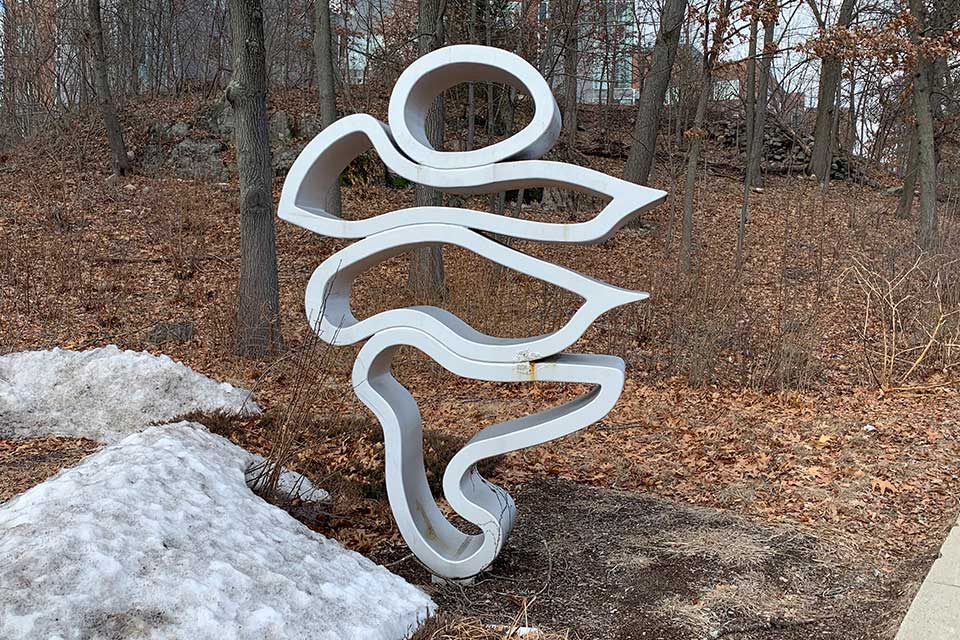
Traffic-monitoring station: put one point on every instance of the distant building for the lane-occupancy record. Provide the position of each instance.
(609, 53)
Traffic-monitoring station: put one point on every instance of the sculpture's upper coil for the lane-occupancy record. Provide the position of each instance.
(444, 68)
(502, 166)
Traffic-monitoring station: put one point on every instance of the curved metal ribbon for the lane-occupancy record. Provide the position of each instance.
(447, 339)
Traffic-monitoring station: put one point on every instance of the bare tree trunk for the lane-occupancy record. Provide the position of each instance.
(488, 37)
(763, 93)
(326, 82)
(606, 75)
(258, 317)
(852, 115)
(135, 54)
(751, 109)
(823, 138)
(118, 150)
(693, 160)
(750, 100)
(926, 155)
(472, 86)
(570, 63)
(11, 67)
(644, 148)
(710, 53)
(426, 274)
(751, 97)
(905, 206)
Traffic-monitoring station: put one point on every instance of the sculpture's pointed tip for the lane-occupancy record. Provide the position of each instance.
(655, 196)
(625, 297)
(637, 296)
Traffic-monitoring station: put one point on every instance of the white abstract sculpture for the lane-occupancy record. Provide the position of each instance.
(509, 164)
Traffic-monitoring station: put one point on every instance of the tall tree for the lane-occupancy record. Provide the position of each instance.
(258, 317)
(118, 149)
(750, 98)
(696, 134)
(11, 53)
(571, 60)
(926, 155)
(943, 17)
(905, 204)
(129, 14)
(326, 82)
(750, 103)
(426, 274)
(769, 19)
(472, 86)
(830, 68)
(654, 91)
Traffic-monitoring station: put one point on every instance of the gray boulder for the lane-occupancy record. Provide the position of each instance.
(280, 129)
(310, 125)
(169, 129)
(283, 159)
(222, 120)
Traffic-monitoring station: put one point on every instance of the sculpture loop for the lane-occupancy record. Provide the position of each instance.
(431, 75)
(451, 342)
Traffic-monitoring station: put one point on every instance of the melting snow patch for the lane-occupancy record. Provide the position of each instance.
(159, 536)
(103, 394)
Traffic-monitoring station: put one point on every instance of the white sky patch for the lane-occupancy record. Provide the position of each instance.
(103, 394)
(158, 536)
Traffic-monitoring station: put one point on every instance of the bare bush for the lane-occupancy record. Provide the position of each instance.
(693, 332)
(308, 376)
(910, 327)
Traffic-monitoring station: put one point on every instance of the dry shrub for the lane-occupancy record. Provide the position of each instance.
(321, 430)
(357, 467)
(788, 360)
(693, 322)
(501, 302)
(910, 326)
(307, 374)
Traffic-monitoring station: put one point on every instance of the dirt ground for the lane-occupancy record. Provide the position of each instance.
(26, 463)
(612, 565)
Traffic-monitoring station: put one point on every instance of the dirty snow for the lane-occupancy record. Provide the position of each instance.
(103, 394)
(158, 536)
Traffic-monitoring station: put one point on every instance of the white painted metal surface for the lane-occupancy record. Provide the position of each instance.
(464, 351)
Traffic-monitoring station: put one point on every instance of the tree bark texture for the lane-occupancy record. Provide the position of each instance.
(643, 150)
(905, 206)
(326, 82)
(258, 317)
(426, 272)
(928, 233)
(823, 135)
(118, 149)
(750, 99)
(763, 93)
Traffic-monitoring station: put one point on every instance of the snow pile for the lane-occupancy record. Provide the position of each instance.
(103, 394)
(159, 536)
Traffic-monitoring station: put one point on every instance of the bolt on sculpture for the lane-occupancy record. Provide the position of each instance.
(509, 164)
